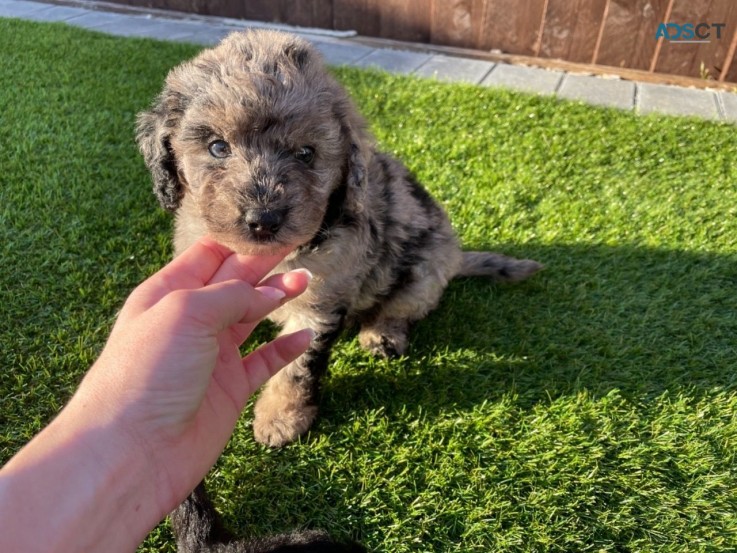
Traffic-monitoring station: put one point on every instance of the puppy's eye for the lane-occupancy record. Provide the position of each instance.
(219, 149)
(305, 154)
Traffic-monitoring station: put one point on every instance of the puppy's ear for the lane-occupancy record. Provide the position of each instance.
(357, 173)
(359, 153)
(154, 129)
(298, 53)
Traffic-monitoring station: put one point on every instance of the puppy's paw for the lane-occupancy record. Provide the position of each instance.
(383, 345)
(278, 425)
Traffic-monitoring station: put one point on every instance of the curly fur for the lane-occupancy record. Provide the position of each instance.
(381, 250)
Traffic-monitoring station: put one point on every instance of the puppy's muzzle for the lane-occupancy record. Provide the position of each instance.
(263, 224)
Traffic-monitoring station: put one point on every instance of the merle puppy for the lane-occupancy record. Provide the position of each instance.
(254, 143)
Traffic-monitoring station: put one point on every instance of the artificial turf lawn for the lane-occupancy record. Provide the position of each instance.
(589, 409)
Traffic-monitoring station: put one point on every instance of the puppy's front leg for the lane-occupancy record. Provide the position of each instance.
(288, 403)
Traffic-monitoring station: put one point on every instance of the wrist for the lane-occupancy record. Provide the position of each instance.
(84, 471)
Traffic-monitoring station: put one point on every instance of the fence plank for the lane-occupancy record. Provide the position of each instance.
(316, 13)
(511, 26)
(456, 22)
(402, 20)
(687, 59)
(221, 8)
(729, 71)
(312, 13)
(628, 37)
(358, 15)
(262, 10)
(202, 7)
(139, 3)
(570, 29)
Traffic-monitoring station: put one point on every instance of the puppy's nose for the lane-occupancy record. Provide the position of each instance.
(263, 223)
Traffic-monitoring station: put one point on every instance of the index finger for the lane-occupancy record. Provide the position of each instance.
(249, 268)
(198, 266)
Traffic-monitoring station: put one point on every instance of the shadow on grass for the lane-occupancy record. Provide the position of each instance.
(647, 323)
(599, 318)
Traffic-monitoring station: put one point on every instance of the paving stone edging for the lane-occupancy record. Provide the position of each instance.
(717, 105)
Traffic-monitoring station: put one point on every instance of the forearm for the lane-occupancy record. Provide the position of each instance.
(154, 412)
(77, 486)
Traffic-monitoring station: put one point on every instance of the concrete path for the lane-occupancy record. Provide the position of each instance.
(341, 50)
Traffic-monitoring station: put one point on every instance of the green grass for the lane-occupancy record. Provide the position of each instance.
(589, 409)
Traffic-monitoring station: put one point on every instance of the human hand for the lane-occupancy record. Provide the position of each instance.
(154, 412)
(171, 377)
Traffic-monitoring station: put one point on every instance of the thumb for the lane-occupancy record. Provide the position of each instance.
(267, 360)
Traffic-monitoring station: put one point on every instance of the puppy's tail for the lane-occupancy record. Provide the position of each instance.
(198, 529)
(498, 267)
(197, 525)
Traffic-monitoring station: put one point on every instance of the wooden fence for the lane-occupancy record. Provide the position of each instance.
(618, 33)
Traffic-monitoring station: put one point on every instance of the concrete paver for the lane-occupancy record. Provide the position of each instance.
(208, 35)
(55, 13)
(524, 79)
(136, 26)
(342, 54)
(729, 103)
(94, 19)
(449, 68)
(394, 61)
(20, 8)
(598, 91)
(674, 100)
(150, 28)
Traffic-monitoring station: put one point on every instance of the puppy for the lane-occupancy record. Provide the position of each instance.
(254, 143)
(198, 529)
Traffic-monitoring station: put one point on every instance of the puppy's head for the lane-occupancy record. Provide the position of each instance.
(258, 138)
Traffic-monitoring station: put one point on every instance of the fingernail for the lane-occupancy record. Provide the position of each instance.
(304, 271)
(272, 293)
